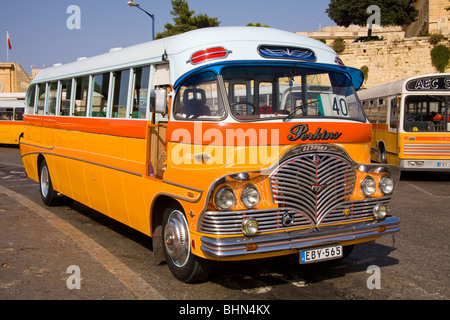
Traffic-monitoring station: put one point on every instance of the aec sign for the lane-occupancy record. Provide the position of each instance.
(429, 83)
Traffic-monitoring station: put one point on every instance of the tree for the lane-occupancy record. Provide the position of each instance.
(393, 12)
(258, 24)
(440, 57)
(185, 20)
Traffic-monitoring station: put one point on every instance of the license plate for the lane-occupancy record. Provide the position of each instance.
(321, 254)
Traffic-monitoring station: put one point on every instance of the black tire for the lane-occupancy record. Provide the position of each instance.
(48, 194)
(184, 266)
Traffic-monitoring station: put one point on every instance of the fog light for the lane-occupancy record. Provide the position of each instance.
(368, 186)
(250, 227)
(379, 211)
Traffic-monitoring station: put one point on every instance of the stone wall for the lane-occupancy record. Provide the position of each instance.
(390, 60)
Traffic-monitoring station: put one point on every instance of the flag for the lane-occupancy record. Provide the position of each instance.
(9, 41)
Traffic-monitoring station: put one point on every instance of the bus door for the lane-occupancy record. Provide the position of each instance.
(394, 111)
(157, 129)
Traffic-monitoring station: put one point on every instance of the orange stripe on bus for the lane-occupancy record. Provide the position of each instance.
(276, 133)
(130, 128)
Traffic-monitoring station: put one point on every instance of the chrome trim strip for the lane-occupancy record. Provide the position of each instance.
(296, 240)
(182, 186)
(36, 146)
(85, 161)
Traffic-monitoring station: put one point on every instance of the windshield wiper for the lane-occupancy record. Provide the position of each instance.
(293, 112)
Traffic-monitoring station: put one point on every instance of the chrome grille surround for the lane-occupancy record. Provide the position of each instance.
(230, 222)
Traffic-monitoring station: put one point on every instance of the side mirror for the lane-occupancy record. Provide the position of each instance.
(158, 100)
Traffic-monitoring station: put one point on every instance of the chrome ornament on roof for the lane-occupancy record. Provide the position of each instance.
(287, 53)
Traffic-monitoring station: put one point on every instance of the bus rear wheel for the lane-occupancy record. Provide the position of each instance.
(48, 194)
(185, 266)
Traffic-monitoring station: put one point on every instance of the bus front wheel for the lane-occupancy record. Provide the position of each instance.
(185, 266)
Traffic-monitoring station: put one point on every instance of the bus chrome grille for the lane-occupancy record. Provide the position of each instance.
(313, 185)
(310, 190)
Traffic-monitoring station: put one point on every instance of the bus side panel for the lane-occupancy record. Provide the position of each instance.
(381, 135)
(10, 131)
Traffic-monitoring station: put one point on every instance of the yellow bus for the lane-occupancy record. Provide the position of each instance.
(411, 122)
(12, 107)
(221, 144)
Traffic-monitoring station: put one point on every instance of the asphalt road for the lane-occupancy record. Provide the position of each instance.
(72, 252)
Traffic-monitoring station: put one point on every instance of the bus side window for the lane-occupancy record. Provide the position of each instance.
(99, 98)
(81, 94)
(66, 92)
(120, 95)
(53, 88)
(18, 114)
(382, 111)
(30, 99)
(140, 92)
(6, 113)
(393, 114)
(41, 98)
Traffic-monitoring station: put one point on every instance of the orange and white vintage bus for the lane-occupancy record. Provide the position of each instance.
(221, 144)
(411, 122)
(12, 107)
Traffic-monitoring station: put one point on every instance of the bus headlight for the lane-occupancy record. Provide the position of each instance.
(386, 185)
(368, 186)
(225, 198)
(250, 196)
(380, 211)
(250, 227)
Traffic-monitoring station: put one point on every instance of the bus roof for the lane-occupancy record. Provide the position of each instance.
(241, 43)
(395, 87)
(12, 96)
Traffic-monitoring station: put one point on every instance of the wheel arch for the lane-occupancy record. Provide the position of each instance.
(160, 203)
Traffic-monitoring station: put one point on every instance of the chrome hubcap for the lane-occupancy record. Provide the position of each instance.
(176, 238)
(44, 181)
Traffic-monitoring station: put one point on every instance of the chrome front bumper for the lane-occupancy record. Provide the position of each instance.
(299, 239)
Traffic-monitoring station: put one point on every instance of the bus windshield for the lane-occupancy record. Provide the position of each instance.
(266, 92)
(257, 93)
(427, 113)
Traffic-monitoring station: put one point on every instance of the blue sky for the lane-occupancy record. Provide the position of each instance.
(40, 37)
